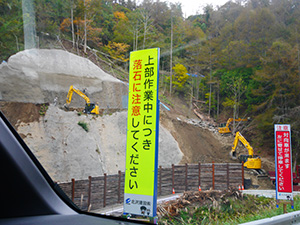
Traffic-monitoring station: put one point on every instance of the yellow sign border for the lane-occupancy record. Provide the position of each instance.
(141, 147)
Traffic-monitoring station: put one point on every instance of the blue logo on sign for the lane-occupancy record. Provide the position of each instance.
(128, 201)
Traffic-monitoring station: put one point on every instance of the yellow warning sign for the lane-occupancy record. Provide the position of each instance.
(142, 127)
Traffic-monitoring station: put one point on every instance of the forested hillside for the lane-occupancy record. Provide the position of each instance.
(238, 60)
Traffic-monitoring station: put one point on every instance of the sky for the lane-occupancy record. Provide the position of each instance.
(190, 7)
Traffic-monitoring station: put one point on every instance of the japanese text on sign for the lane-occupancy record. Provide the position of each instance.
(142, 116)
(283, 159)
(142, 124)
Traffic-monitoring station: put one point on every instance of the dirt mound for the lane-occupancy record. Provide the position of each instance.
(17, 112)
(196, 143)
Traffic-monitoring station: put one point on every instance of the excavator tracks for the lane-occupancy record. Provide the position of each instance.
(259, 173)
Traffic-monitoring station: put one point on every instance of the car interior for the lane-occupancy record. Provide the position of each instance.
(29, 195)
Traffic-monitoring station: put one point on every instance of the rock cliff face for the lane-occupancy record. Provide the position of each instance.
(67, 151)
(63, 147)
(39, 76)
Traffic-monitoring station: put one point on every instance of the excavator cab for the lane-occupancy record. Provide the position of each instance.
(251, 162)
(222, 125)
(224, 129)
(91, 108)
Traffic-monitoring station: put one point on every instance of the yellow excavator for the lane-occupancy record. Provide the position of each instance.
(251, 161)
(224, 127)
(90, 108)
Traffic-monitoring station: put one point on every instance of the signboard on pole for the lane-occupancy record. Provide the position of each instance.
(140, 187)
(283, 162)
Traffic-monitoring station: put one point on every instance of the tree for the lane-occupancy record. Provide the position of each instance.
(84, 31)
(278, 88)
(117, 51)
(100, 13)
(11, 28)
(146, 19)
(127, 28)
(279, 78)
(180, 78)
(234, 84)
(121, 29)
(72, 22)
(235, 55)
(50, 14)
(86, 27)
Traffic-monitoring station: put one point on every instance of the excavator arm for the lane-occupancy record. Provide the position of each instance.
(89, 107)
(225, 130)
(240, 137)
(77, 91)
(234, 145)
(250, 161)
(229, 121)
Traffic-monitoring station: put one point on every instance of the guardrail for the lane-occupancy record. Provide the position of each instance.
(288, 218)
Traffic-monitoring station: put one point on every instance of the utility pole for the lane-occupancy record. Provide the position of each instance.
(298, 54)
(171, 54)
(72, 23)
(29, 24)
(209, 78)
(218, 106)
(85, 35)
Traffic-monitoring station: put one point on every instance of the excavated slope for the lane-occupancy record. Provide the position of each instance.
(63, 147)
(67, 151)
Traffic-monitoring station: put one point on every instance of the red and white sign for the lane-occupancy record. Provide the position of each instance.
(283, 160)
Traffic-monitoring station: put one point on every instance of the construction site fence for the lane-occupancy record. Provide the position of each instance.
(98, 192)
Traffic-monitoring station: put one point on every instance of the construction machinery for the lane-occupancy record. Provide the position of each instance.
(250, 160)
(90, 108)
(224, 127)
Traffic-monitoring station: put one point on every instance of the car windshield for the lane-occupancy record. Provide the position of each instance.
(93, 87)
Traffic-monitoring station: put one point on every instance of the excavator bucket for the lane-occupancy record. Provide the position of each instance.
(66, 106)
(233, 154)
